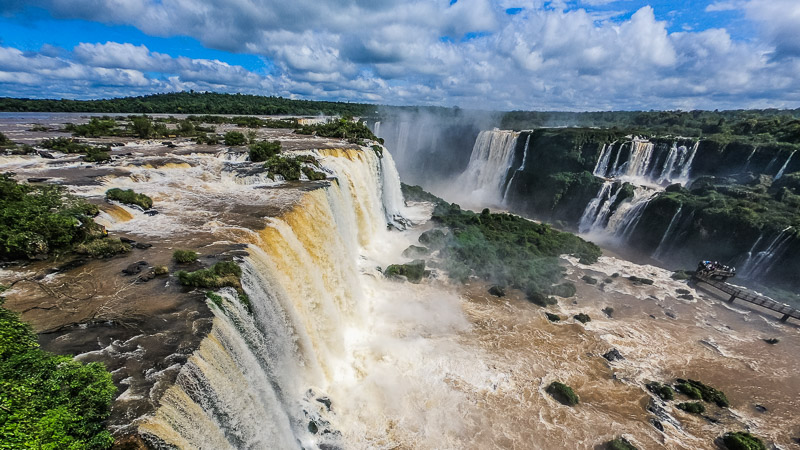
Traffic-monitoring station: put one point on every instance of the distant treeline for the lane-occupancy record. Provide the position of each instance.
(770, 125)
(191, 103)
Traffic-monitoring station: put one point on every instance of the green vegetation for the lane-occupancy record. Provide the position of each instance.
(619, 443)
(214, 297)
(742, 440)
(589, 280)
(562, 393)
(38, 220)
(184, 256)
(235, 138)
(97, 156)
(105, 247)
(221, 274)
(69, 145)
(582, 318)
(681, 275)
(290, 167)
(689, 390)
(417, 194)
(505, 249)
(663, 391)
(129, 197)
(415, 251)
(553, 317)
(638, 280)
(413, 271)
(343, 128)
(378, 150)
(245, 121)
(97, 127)
(190, 103)
(709, 394)
(692, 407)
(160, 270)
(49, 401)
(263, 150)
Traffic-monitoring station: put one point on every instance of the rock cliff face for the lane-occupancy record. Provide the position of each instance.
(677, 199)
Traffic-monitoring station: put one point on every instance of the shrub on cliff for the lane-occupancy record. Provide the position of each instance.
(129, 197)
(344, 128)
(582, 318)
(562, 393)
(707, 393)
(67, 145)
(49, 401)
(417, 194)
(263, 150)
(39, 220)
(104, 247)
(741, 440)
(662, 391)
(290, 167)
(221, 274)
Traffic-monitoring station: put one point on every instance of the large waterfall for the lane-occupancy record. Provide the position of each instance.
(329, 352)
(489, 166)
(640, 161)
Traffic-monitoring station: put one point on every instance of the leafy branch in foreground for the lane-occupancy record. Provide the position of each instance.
(46, 400)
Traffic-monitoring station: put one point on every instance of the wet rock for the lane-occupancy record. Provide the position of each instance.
(589, 280)
(151, 212)
(652, 316)
(45, 154)
(772, 341)
(658, 425)
(134, 268)
(37, 179)
(582, 318)
(142, 245)
(640, 281)
(497, 291)
(312, 427)
(75, 263)
(169, 144)
(609, 311)
(117, 144)
(613, 355)
(127, 240)
(670, 314)
(325, 401)
(686, 297)
(760, 408)
(553, 317)
(415, 252)
(145, 277)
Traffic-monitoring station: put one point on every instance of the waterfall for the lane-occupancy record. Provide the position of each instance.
(624, 220)
(521, 167)
(687, 167)
(747, 265)
(639, 160)
(665, 241)
(785, 165)
(597, 211)
(766, 259)
(601, 168)
(489, 164)
(377, 128)
(261, 379)
(749, 157)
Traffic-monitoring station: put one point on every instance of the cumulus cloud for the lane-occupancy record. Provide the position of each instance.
(547, 55)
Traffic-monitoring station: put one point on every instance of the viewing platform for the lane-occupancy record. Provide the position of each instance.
(751, 297)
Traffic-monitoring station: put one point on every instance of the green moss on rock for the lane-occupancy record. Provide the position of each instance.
(664, 392)
(582, 318)
(562, 393)
(413, 271)
(184, 256)
(742, 440)
(619, 443)
(692, 407)
(129, 197)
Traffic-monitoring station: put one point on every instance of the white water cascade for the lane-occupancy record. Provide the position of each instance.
(491, 159)
(643, 164)
(664, 244)
(785, 165)
(597, 211)
(520, 168)
(762, 263)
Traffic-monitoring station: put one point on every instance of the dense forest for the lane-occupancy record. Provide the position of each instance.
(190, 103)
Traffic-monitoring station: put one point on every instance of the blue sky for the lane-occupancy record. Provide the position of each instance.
(499, 54)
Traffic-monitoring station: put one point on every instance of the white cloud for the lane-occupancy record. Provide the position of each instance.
(422, 51)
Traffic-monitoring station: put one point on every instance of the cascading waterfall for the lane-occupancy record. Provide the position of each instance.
(645, 163)
(489, 164)
(765, 260)
(601, 168)
(261, 378)
(521, 166)
(624, 220)
(596, 213)
(785, 165)
(377, 128)
(665, 240)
